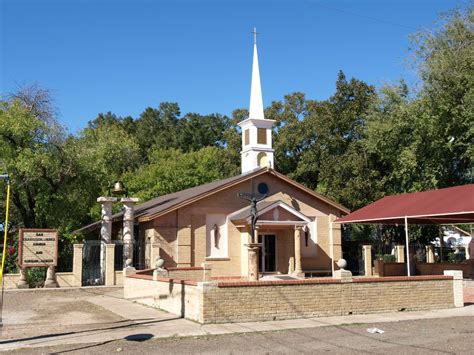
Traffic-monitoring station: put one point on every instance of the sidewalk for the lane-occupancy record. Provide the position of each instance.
(137, 319)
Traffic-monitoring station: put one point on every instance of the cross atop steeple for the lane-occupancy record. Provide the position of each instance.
(255, 35)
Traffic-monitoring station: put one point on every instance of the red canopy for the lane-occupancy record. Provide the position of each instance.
(444, 206)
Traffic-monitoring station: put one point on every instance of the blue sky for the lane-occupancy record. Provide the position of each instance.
(123, 55)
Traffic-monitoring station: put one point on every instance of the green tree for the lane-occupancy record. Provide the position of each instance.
(171, 170)
(33, 152)
(446, 100)
(158, 128)
(197, 131)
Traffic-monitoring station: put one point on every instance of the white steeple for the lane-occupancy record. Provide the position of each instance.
(257, 149)
(256, 102)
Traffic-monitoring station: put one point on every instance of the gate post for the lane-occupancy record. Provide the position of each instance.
(77, 265)
(367, 256)
(400, 253)
(429, 254)
(109, 264)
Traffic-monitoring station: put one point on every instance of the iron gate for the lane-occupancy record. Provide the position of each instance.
(138, 251)
(91, 271)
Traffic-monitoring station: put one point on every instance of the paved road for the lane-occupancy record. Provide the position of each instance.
(442, 336)
(89, 320)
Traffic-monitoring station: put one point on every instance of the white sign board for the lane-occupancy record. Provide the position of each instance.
(38, 248)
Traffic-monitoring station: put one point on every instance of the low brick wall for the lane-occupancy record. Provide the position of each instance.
(64, 279)
(467, 268)
(240, 302)
(179, 297)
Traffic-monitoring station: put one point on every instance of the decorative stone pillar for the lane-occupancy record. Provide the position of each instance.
(298, 269)
(430, 254)
(50, 281)
(367, 255)
(253, 261)
(128, 221)
(400, 253)
(22, 281)
(105, 228)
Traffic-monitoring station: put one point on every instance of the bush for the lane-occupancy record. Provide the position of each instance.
(36, 276)
(388, 258)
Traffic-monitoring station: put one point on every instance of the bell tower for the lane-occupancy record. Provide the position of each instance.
(257, 151)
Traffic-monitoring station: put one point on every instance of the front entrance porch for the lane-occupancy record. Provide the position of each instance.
(267, 262)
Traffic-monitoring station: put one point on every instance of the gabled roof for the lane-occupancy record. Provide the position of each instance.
(444, 206)
(164, 204)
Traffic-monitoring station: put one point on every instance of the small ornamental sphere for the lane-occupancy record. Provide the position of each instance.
(342, 263)
(128, 262)
(159, 262)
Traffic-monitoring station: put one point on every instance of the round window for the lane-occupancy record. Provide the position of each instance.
(262, 188)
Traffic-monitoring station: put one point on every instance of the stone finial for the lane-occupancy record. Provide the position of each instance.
(128, 269)
(342, 264)
(342, 274)
(159, 262)
(159, 270)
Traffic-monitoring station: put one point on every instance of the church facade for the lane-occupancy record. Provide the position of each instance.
(212, 223)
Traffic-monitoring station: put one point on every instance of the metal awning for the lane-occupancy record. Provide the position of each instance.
(452, 205)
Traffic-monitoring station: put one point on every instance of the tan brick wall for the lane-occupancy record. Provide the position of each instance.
(194, 275)
(259, 303)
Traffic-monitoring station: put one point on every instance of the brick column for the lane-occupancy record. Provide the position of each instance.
(457, 287)
(128, 221)
(298, 269)
(77, 265)
(253, 261)
(109, 264)
(367, 255)
(400, 253)
(430, 254)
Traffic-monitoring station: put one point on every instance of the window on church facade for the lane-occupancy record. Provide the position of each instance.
(246, 137)
(261, 136)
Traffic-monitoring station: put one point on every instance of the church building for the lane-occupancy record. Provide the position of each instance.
(212, 223)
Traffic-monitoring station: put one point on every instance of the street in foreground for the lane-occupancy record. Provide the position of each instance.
(448, 335)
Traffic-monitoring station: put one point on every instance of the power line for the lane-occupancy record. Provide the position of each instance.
(363, 16)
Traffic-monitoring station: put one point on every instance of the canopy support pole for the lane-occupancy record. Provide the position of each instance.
(407, 246)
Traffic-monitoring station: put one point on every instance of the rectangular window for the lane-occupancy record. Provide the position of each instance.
(246, 137)
(261, 136)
